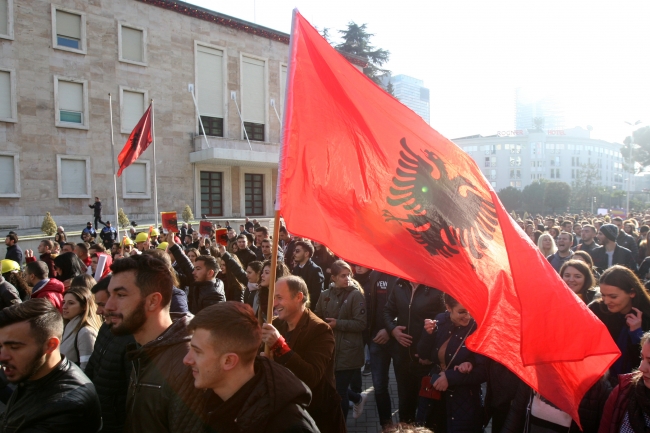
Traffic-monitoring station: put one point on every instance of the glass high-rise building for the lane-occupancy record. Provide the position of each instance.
(531, 104)
(412, 93)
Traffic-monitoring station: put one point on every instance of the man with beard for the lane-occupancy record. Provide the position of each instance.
(53, 394)
(161, 396)
(108, 367)
(245, 393)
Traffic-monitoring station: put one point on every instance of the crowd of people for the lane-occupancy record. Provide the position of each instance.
(167, 331)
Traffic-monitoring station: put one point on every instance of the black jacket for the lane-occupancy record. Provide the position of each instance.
(627, 241)
(162, 396)
(108, 235)
(63, 401)
(234, 274)
(313, 276)
(273, 401)
(15, 253)
(371, 296)
(622, 256)
(590, 409)
(97, 208)
(401, 310)
(109, 371)
(246, 256)
(201, 294)
(586, 248)
(8, 294)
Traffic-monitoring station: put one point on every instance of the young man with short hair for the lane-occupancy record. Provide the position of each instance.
(108, 367)
(304, 343)
(161, 396)
(37, 277)
(45, 255)
(308, 270)
(245, 392)
(625, 240)
(244, 254)
(563, 253)
(587, 243)
(53, 394)
(14, 252)
(81, 250)
(610, 253)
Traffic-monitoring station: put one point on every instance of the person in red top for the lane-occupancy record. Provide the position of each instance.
(36, 275)
(81, 250)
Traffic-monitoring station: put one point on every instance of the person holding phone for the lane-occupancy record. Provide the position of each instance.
(625, 311)
(456, 372)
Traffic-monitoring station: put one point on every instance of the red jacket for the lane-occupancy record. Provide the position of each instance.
(53, 291)
(616, 405)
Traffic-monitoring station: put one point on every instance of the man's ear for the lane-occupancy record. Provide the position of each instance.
(153, 301)
(52, 344)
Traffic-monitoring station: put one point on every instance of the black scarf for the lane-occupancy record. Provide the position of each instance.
(639, 405)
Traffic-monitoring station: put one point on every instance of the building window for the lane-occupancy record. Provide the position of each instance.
(210, 88)
(283, 86)
(132, 44)
(515, 173)
(68, 30)
(71, 100)
(487, 162)
(212, 193)
(254, 194)
(515, 183)
(255, 131)
(9, 175)
(132, 107)
(8, 111)
(515, 161)
(7, 19)
(253, 92)
(73, 176)
(136, 182)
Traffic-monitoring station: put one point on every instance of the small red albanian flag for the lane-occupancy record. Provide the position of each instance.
(137, 143)
(364, 175)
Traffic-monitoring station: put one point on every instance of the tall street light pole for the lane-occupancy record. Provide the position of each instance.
(629, 180)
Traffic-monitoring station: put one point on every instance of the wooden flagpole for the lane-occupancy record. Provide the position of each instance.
(274, 268)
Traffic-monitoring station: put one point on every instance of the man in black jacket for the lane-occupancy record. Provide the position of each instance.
(246, 393)
(97, 211)
(587, 243)
(625, 240)
(408, 305)
(14, 252)
(244, 254)
(201, 277)
(610, 253)
(53, 394)
(108, 367)
(308, 270)
(108, 235)
(161, 396)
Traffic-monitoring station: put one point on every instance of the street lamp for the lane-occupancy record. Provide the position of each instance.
(629, 182)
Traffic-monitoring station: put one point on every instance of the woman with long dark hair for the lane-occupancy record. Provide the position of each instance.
(577, 275)
(625, 310)
(15, 278)
(67, 266)
(324, 258)
(261, 296)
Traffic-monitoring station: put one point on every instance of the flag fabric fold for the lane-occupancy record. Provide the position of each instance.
(138, 142)
(366, 176)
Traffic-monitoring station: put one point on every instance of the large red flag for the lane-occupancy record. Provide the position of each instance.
(366, 176)
(137, 143)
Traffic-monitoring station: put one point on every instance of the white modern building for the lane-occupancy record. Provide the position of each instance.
(412, 93)
(517, 158)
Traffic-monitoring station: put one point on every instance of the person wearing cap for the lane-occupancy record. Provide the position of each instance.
(108, 235)
(610, 253)
(89, 230)
(8, 293)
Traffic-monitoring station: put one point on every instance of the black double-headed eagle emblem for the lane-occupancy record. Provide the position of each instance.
(439, 216)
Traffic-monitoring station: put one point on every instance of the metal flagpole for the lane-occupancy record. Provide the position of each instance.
(155, 177)
(117, 220)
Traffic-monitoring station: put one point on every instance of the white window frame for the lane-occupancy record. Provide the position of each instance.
(59, 178)
(266, 95)
(226, 94)
(226, 188)
(57, 115)
(281, 112)
(147, 194)
(268, 189)
(10, 22)
(12, 93)
(120, 24)
(16, 192)
(130, 89)
(55, 45)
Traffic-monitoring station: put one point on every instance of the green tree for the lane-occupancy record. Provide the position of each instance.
(533, 196)
(511, 198)
(390, 89)
(325, 33)
(356, 40)
(586, 186)
(122, 218)
(187, 214)
(640, 146)
(49, 226)
(557, 195)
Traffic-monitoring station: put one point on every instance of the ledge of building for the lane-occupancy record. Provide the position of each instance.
(224, 151)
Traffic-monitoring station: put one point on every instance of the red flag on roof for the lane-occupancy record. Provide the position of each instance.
(366, 176)
(137, 143)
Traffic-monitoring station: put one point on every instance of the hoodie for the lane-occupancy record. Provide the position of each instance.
(51, 289)
(273, 401)
(162, 396)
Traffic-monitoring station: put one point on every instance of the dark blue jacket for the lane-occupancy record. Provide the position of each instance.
(15, 253)
(463, 402)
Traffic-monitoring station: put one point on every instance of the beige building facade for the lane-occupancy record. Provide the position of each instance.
(60, 60)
